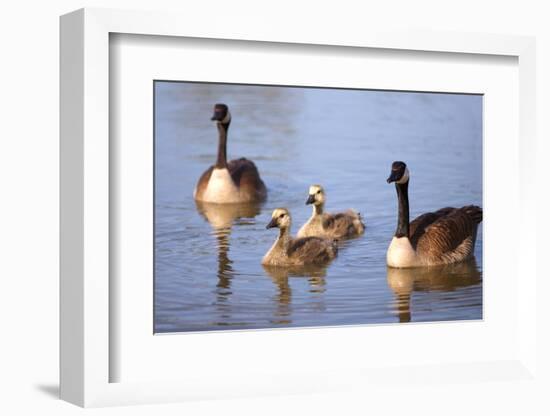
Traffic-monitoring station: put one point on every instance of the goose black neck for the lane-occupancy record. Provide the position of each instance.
(221, 162)
(403, 206)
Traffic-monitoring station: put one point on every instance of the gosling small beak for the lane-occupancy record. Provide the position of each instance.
(272, 224)
(310, 199)
(393, 176)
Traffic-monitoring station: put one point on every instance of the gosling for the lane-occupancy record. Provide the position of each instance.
(288, 251)
(342, 225)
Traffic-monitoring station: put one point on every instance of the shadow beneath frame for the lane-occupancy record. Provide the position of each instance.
(51, 390)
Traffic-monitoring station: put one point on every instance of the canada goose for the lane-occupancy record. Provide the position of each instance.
(288, 251)
(442, 237)
(321, 224)
(229, 182)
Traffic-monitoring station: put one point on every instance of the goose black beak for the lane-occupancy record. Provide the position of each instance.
(310, 199)
(217, 116)
(394, 176)
(272, 224)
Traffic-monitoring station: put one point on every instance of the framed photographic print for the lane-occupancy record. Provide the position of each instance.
(267, 214)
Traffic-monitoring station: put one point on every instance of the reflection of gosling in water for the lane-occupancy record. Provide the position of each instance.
(288, 251)
(346, 224)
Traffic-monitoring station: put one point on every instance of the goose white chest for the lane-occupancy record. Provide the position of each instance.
(221, 188)
(401, 253)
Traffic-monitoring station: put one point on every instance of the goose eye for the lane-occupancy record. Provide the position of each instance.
(318, 192)
(281, 216)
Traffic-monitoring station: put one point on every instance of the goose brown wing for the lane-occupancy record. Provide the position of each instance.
(446, 235)
(312, 249)
(418, 227)
(246, 176)
(202, 184)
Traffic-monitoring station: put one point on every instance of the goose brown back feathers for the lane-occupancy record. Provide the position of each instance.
(447, 235)
(247, 178)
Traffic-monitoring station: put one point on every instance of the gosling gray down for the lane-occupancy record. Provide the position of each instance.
(342, 225)
(288, 251)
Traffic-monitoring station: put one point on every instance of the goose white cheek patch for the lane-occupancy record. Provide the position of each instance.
(404, 178)
(226, 118)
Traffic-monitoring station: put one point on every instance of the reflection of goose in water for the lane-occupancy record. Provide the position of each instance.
(222, 218)
(403, 282)
(280, 277)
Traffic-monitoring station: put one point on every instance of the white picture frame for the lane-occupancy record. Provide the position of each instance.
(86, 355)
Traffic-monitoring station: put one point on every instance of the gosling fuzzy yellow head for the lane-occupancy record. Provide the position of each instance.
(280, 218)
(316, 195)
